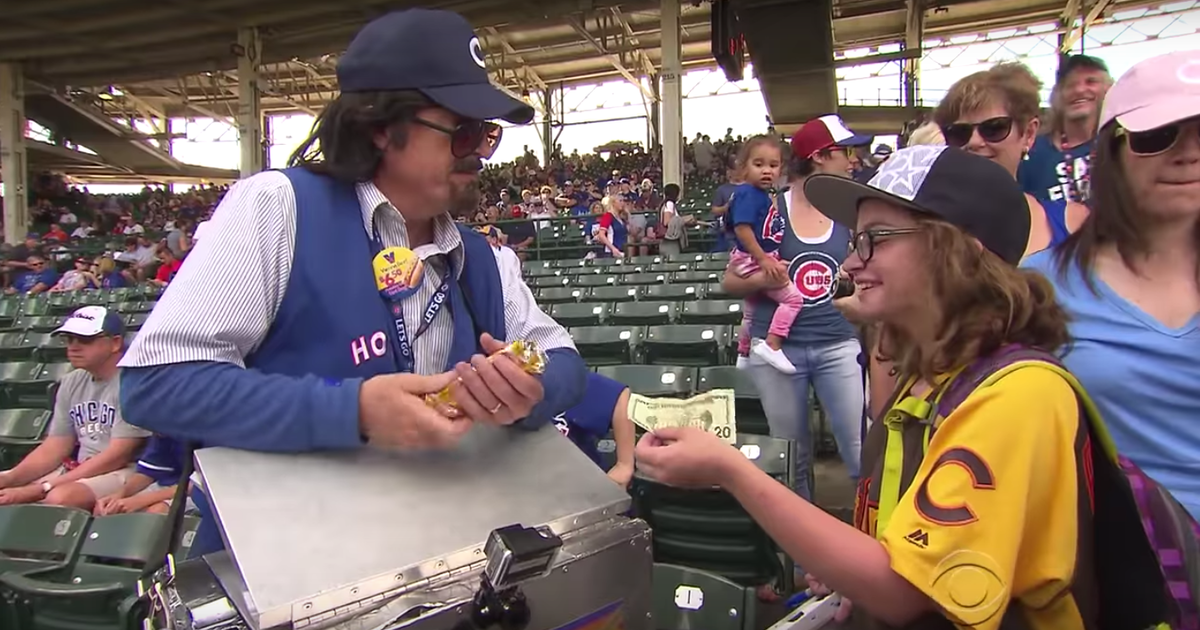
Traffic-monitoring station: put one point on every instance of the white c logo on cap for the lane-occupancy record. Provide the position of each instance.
(477, 52)
(1188, 72)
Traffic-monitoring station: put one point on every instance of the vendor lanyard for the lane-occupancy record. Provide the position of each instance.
(401, 343)
(909, 409)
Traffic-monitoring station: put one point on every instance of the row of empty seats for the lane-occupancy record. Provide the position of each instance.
(711, 312)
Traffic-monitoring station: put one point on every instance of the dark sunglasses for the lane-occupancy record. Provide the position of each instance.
(992, 130)
(863, 243)
(1152, 142)
(472, 137)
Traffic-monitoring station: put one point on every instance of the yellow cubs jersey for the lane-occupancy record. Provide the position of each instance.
(993, 520)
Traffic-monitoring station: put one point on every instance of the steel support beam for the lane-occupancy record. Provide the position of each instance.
(1072, 36)
(632, 38)
(672, 95)
(249, 115)
(914, 33)
(615, 59)
(13, 164)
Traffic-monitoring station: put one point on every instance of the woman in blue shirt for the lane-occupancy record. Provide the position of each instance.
(1128, 278)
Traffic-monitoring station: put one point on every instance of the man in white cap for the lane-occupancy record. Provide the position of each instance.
(89, 450)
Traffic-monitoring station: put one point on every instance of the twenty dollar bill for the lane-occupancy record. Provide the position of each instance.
(711, 412)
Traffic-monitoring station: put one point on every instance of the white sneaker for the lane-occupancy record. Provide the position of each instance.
(774, 358)
(742, 362)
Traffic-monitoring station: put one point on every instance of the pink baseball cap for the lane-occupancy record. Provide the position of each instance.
(1155, 92)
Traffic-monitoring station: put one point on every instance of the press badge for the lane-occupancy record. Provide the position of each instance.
(398, 272)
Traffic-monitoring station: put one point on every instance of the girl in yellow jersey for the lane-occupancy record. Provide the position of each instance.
(976, 519)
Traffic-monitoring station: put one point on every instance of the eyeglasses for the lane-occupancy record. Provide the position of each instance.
(1152, 142)
(992, 130)
(470, 137)
(83, 341)
(863, 243)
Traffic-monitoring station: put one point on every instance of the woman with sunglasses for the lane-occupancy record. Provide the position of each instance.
(955, 524)
(1129, 277)
(994, 113)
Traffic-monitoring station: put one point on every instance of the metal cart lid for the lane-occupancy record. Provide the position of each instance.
(314, 533)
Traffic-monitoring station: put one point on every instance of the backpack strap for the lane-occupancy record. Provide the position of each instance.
(984, 370)
(930, 410)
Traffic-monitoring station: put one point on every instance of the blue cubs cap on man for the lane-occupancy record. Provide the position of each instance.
(92, 321)
(433, 52)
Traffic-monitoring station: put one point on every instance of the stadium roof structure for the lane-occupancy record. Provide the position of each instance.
(179, 57)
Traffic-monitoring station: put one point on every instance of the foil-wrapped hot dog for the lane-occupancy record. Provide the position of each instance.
(528, 356)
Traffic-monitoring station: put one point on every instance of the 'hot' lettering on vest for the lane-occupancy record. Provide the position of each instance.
(364, 349)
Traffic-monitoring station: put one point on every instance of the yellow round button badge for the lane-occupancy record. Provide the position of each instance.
(398, 272)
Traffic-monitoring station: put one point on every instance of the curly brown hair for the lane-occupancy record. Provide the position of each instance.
(985, 303)
(1009, 83)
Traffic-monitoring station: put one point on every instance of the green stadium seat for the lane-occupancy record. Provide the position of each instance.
(696, 277)
(711, 312)
(710, 265)
(605, 262)
(614, 294)
(559, 295)
(53, 348)
(18, 346)
(687, 258)
(588, 280)
(669, 268)
(714, 291)
(97, 297)
(540, 272)
(685, 598)
(22, 424)
(583, 314)
(135, 321)
(643, 260)
(608, 345)
(536, 265)
(643, 313)
(35, 306)
(41, 323)
(751, 418)
(653, 380)
(643, 278)
(10, 308)
(95, 591)
(39, 536)
(700, 345)
(61, 304)
(674, 292)
(708, 530)
(123, 294)
(31, 383)
(545, 282)
(721, 256)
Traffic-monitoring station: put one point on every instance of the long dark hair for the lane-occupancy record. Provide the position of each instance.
(342, 141)
(1114, 218)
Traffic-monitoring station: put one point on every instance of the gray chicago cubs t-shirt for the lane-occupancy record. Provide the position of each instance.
(90, 411)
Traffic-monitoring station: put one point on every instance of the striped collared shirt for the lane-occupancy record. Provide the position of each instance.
(222, 302)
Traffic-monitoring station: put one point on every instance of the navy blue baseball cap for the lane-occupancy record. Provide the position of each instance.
(433, 52)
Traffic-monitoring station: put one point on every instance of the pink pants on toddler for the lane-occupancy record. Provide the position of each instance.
(787, 297)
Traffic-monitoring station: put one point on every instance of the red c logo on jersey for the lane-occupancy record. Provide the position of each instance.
(813, 273)
(960, 514)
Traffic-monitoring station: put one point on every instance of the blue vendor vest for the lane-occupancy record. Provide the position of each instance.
(332, 301)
